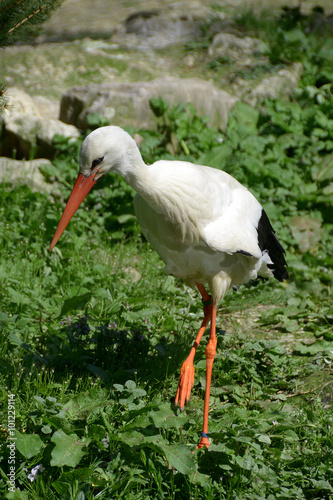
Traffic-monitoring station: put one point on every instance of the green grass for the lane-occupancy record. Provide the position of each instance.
(93, 334)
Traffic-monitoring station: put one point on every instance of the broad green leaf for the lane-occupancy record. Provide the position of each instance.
(204, 480)
(264, 438)
(321, 485)
(323, 171)
(290, 435)
(328, 190)
(158, 105)
(314, 348)
(68, 450)
(28, 444)
(15, 339)
(18, 297)
(139, 393)
(79, 475)
(102, 293)
(144, 313)
(118, 387)
(247, 462)
(180, 457)
(165, 418)
(136, 438)
(96, 431)
(46, 429)
(74, 303)
(122, 219)
(279, 397)
(247, 118)
(130, 385)
(85, 403)
(284, 455)
(326, 49)
(60, 421)
(217, 157)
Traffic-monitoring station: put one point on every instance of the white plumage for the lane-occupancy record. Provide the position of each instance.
(197, 218)
(204, 224)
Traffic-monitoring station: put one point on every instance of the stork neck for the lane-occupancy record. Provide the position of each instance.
(133, 169)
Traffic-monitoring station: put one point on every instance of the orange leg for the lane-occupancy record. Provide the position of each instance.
(186, 379)
(210, 355)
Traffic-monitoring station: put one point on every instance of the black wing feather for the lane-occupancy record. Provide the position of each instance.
(268, 241)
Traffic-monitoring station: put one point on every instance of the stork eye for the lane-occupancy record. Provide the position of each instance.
(96, 162)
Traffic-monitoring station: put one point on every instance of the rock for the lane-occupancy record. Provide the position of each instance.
(248, 54)
(25, 172)
(26, 129)
(158, 28)
(46, 108)
(128, 103)
(234, 47)
(276, 86)
(160, 21)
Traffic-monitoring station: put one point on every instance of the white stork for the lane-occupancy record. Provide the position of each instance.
(204, 224)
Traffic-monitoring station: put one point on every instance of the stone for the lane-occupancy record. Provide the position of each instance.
(159, 28)
(128, 103)
(275, 86)
(250, 54)
(234, 47)
(26, 129)
(18, 172)
(47, 108)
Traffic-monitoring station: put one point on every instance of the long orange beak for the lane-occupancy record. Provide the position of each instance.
(80, 190)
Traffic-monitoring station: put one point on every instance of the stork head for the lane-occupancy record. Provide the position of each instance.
(105, 149)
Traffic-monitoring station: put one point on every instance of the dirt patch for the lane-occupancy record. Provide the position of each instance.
(246, 323)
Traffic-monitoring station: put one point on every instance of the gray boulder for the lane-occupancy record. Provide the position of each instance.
(277, 86)
(128, 103)
(235, 47)
(18, 172)
(250, 54)
(158, 28)
(26, 130)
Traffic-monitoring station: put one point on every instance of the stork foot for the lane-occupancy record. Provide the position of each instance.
(203, 442)
(185, 384)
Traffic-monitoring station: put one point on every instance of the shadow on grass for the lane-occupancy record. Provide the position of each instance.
(111, 354)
